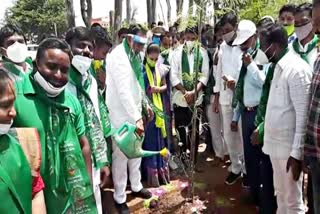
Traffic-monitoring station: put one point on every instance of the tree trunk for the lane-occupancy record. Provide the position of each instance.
(154, 10)
(128, 2)
(169, 12)
(117, 17)
(190, 11)
(149, 11)
(179, 6)
(86, 11)
(70, 13)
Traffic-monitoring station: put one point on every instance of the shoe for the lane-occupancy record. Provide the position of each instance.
(122, 208)
(245, 182)
(144, 193)
(232, 178)
(172, 164)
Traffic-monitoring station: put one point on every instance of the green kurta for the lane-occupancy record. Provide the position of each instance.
(60, 125)
(15, 177)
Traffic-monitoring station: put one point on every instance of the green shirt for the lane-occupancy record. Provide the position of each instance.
(15, 177)
(33, 112)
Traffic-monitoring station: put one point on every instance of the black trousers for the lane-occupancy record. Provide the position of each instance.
(183, 120)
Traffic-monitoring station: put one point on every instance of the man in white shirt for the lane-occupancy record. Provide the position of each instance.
(125, 98)
(228, 70)
(246, 100)
(185, 60)
(305, 45)
(285, 119)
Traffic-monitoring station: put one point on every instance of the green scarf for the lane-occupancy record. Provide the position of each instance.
(261, 112)
(136, 66)
(96, 130)
(67, 181)
(311, 46)
(187, 79)
(135, 62)
(239, 91)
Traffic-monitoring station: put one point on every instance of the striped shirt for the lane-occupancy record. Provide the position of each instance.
(312, 144)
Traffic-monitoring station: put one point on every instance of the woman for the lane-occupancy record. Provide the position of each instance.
(154, 169)
(20, 182)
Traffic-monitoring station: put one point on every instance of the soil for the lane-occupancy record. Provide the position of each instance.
(211, 195)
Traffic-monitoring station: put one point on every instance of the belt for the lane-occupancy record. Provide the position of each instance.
(249, 109)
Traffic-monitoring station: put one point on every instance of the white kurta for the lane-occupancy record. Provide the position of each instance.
(124, 99)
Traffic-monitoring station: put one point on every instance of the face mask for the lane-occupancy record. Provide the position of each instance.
(228, 36)
(271, 57)
(4, 128)
(303, 31)
(50, 89)
(289, 29)
(151, 62)
(17, 52)
(190, 45)
(81, 63)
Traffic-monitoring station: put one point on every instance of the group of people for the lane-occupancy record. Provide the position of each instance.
(256, 84)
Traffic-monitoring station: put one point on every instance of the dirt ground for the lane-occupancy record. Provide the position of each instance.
(210, 193)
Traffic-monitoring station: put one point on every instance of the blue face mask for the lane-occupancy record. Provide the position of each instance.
(156, 40)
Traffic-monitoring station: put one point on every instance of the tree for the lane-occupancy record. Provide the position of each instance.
(151, 10)
(70, 13)
(179, 4)
(38, 17)
(117, 17)
(169, 11)
(86, 11)
(128, 4)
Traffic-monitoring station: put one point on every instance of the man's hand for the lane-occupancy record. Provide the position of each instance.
(247, 59)
(255, 137)
(215, 105)
(296, 167)
(231, 84)
(105, 177)
(101, 79)
(234, 126)
(140, 127)
(189, 96)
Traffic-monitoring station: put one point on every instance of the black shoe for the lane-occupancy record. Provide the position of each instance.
(144, 193)
(122, 208)
(232, 178)
(245, 182)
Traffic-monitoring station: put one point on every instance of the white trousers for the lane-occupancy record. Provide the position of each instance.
(218, 143)
(96, 188)
(120, 166)
(233, 140)
(289, 192)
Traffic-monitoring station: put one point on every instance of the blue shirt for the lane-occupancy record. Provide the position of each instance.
(253, 83)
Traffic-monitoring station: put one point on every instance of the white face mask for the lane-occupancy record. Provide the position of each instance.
(17, 52)
(190, 45)
(50, 89)
(228, 36)
(81, 63)
(4, 128)
(303, 31)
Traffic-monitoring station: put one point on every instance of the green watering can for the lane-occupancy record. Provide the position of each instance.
(130, 143)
